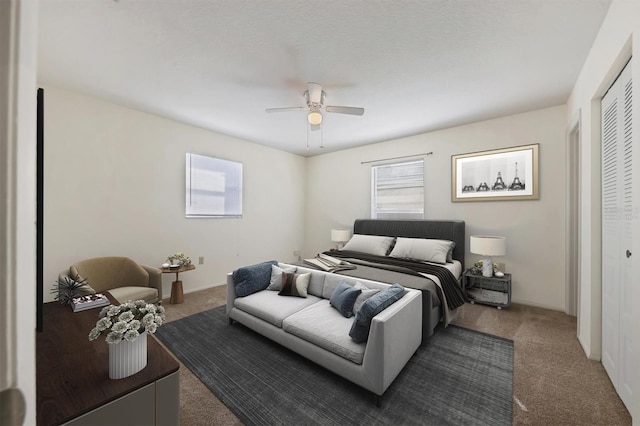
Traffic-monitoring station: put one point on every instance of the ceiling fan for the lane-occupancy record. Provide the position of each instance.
(314, 97)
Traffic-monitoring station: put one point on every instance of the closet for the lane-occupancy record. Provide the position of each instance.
(617, 231)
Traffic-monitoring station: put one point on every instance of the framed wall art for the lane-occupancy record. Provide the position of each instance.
(500, 174)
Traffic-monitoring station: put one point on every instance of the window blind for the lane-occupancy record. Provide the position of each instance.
(213, 187)
(398, 190)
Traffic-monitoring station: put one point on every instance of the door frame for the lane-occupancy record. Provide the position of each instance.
(573, 220)
(18, 50)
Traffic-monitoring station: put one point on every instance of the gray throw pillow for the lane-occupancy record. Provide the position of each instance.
(343, 298)
(295, 284)
(360, 328)
(366, 294)
(253, 278)
(275, 284)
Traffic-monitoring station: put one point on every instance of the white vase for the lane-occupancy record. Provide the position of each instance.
(127, 358)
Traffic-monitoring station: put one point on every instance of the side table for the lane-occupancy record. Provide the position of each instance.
(492, 291)
(177, 294)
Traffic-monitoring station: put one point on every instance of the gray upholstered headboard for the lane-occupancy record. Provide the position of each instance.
(452, 230)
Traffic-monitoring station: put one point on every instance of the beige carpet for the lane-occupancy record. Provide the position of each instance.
(554, 383)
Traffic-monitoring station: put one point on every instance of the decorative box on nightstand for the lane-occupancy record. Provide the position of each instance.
(493, 291)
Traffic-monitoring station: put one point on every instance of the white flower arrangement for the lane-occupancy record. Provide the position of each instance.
(127, 321)
(477, 267)
(179, 259)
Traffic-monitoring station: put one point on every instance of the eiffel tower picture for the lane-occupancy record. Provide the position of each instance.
(516, 185)
(499, 185)
(500, 174)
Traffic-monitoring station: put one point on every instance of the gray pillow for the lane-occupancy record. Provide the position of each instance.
(366, 294)
(371, 244)
(428, 250)
(253, 278)
(343, 298)
(294, 284)
(275, 284)
(360, 328)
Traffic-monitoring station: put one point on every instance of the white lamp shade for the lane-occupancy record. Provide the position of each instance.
(340, 235)
(488, 245)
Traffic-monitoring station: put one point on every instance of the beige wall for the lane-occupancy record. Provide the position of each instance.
(115, 185)
(617, 41)
(338, 191)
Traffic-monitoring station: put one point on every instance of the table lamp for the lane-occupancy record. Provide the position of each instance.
(488, 246)
(340, 236)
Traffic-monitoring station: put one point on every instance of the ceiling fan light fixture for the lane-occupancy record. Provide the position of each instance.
(314, 118)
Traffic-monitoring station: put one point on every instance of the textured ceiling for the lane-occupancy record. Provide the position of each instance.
(415, 66)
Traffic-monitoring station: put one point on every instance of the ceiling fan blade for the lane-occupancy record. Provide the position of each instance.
(315, 93)
(345, 110)
(286, 109)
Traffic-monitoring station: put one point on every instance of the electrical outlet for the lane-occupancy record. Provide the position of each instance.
(297, 253)
(201, 260)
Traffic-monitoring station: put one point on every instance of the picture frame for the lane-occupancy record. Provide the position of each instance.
(504, 174)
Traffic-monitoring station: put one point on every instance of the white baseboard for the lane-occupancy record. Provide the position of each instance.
(537, 305)
(204, 287)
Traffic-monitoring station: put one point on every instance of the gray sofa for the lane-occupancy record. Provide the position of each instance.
(317, 331)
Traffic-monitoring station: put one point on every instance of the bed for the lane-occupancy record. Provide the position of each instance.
(442, 292)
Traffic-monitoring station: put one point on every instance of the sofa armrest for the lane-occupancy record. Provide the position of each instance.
(64, 275)
(155, 279)
(395, 335)
(231, 292)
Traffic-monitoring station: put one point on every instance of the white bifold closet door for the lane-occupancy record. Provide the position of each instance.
(617, 201)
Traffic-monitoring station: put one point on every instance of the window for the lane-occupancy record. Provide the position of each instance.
(397, 190)
(214, 187)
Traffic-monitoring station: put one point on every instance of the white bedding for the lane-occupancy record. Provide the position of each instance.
(455, 267)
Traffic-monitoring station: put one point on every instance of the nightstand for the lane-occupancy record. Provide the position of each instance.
(492, 291)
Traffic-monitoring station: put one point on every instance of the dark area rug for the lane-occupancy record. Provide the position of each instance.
(460, 377)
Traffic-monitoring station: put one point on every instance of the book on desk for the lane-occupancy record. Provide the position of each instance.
(89, 301)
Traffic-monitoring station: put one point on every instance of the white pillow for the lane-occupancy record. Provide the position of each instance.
(422, 249)
(275, 284)
(370, 244)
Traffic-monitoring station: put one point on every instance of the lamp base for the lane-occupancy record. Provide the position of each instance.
(487, 267)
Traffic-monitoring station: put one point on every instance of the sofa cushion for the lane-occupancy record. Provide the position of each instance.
(364, 295)
(122, 294)
(377, 303)
(331, 282)
(343, 298)
(253, 278)
(294, 284)
(323, 326)
(270, 307)
(275, 284)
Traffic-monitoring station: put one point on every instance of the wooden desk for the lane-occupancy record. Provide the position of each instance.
(177, 293)
(72, 376)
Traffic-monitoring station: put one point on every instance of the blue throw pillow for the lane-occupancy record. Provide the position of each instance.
(373, 306)
(343, 298)
(253, 278)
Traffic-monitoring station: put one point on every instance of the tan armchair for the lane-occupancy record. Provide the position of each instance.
(120, 276)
